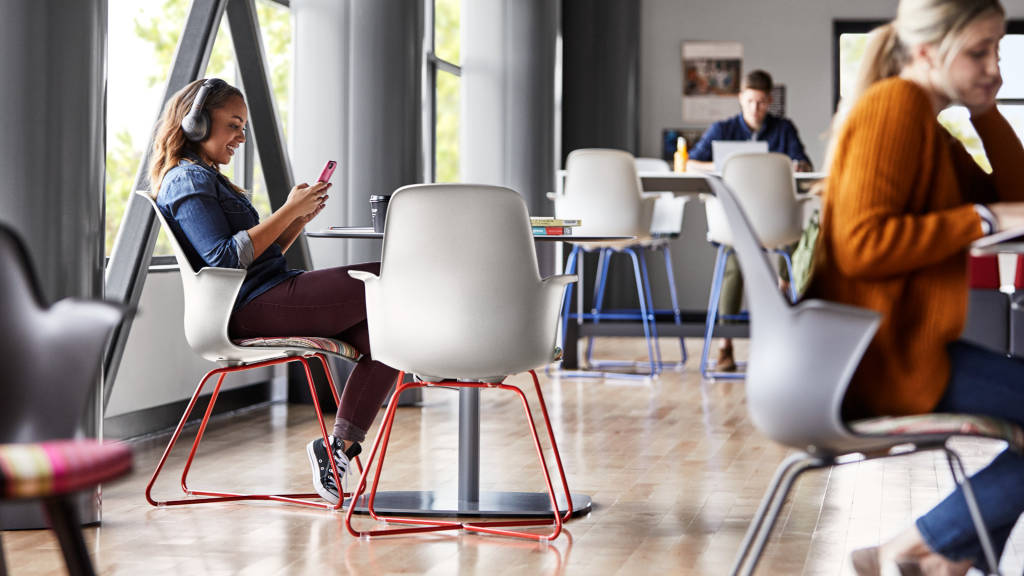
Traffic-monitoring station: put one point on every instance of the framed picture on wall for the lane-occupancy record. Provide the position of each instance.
(711, 80)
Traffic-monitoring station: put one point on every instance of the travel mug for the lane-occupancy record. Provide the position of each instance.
(379, 210)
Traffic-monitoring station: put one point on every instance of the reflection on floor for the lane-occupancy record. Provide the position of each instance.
(674, 467)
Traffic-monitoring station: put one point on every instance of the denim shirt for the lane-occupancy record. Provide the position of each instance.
(211, 222)
(779, 132)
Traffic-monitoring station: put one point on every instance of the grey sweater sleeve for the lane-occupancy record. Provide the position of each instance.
(243, 246)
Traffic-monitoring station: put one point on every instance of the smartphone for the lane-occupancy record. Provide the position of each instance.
(325, 176)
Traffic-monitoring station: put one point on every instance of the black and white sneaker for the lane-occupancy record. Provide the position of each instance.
(323, 478)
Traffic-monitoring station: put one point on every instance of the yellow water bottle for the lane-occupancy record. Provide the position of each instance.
(681, 155)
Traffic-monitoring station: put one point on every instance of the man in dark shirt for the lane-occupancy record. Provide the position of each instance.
(753, 123)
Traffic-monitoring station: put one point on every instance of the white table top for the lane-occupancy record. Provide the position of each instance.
(368, 233)
(701, 175)
(687, 183)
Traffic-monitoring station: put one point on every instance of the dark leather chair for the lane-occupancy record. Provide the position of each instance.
(52, 357)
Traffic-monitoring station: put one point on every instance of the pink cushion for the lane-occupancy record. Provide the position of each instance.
(311, 343)
(59, 467)
(938, 424)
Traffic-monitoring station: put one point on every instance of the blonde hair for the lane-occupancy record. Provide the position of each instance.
(918, 22)
(170, 145)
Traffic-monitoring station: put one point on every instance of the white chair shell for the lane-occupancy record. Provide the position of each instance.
(459, 293)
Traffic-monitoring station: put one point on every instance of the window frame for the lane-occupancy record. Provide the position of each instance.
(434, 65)
(840, 27)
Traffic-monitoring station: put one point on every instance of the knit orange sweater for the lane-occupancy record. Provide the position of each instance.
(898, 219)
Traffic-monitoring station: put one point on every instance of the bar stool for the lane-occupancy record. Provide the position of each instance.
(765, 188)
(603, 190)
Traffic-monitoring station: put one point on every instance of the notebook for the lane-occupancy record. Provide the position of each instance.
(722, 149)
(998, 238)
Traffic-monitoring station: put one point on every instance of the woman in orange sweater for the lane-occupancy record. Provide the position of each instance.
(904, 200)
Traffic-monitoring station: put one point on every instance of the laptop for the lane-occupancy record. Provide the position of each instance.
(722, 149)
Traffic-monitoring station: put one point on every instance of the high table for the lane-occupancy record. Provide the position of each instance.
(469, 501)
(690, 183)
(692, 325)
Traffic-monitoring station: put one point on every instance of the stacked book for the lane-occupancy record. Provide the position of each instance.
(545, 226)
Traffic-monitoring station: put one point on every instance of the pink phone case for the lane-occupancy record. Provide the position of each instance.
(325, 176)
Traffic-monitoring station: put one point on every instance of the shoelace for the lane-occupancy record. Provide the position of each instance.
(341, 462)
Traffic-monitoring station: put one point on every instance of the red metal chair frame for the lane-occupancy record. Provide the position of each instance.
(491, 527)
(217, 496)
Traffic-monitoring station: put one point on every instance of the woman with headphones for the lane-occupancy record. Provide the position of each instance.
(216, 225)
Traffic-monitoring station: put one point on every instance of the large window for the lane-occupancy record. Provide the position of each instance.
(444, 72)
(142, 38)
(850, 38)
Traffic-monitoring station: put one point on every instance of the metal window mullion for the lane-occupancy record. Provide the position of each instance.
(133, 247)
(266, 130)
(430, 94)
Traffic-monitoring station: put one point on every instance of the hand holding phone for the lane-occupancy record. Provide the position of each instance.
(328, 171)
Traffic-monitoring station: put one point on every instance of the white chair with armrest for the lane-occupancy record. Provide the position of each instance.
(209, 298)
(461, 305)
(802, 357)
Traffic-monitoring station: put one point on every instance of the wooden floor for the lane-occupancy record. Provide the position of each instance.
(674, 467)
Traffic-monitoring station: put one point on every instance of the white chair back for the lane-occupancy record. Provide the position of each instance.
(602, 189)
(801, 357)
(764, 185)
(210, 296)
(459, 294)
(651, 165)
(667, 217)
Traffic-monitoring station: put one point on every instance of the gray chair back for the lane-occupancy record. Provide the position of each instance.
(52, 354)
(801, 356)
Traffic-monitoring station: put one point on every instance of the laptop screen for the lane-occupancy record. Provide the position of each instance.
(722, 149)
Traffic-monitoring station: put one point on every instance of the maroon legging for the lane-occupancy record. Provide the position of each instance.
(325, 303)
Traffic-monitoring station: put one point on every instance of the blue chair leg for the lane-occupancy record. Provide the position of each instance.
(645, 314)
(570, 268)
(645, 317)
(709, 326)
(601, 281)
(651, 315)
(675, 298)
(789, 269)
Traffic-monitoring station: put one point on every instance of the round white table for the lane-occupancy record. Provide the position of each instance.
(469, 501)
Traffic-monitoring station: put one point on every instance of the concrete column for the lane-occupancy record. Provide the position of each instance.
(385, 151)
(319, 123)
(508, 99)
(52, 158)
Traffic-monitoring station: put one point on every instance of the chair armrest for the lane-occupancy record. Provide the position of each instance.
(807, 204)
(363, 275)
(561, 279)
(220, 273)
(805, 198)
